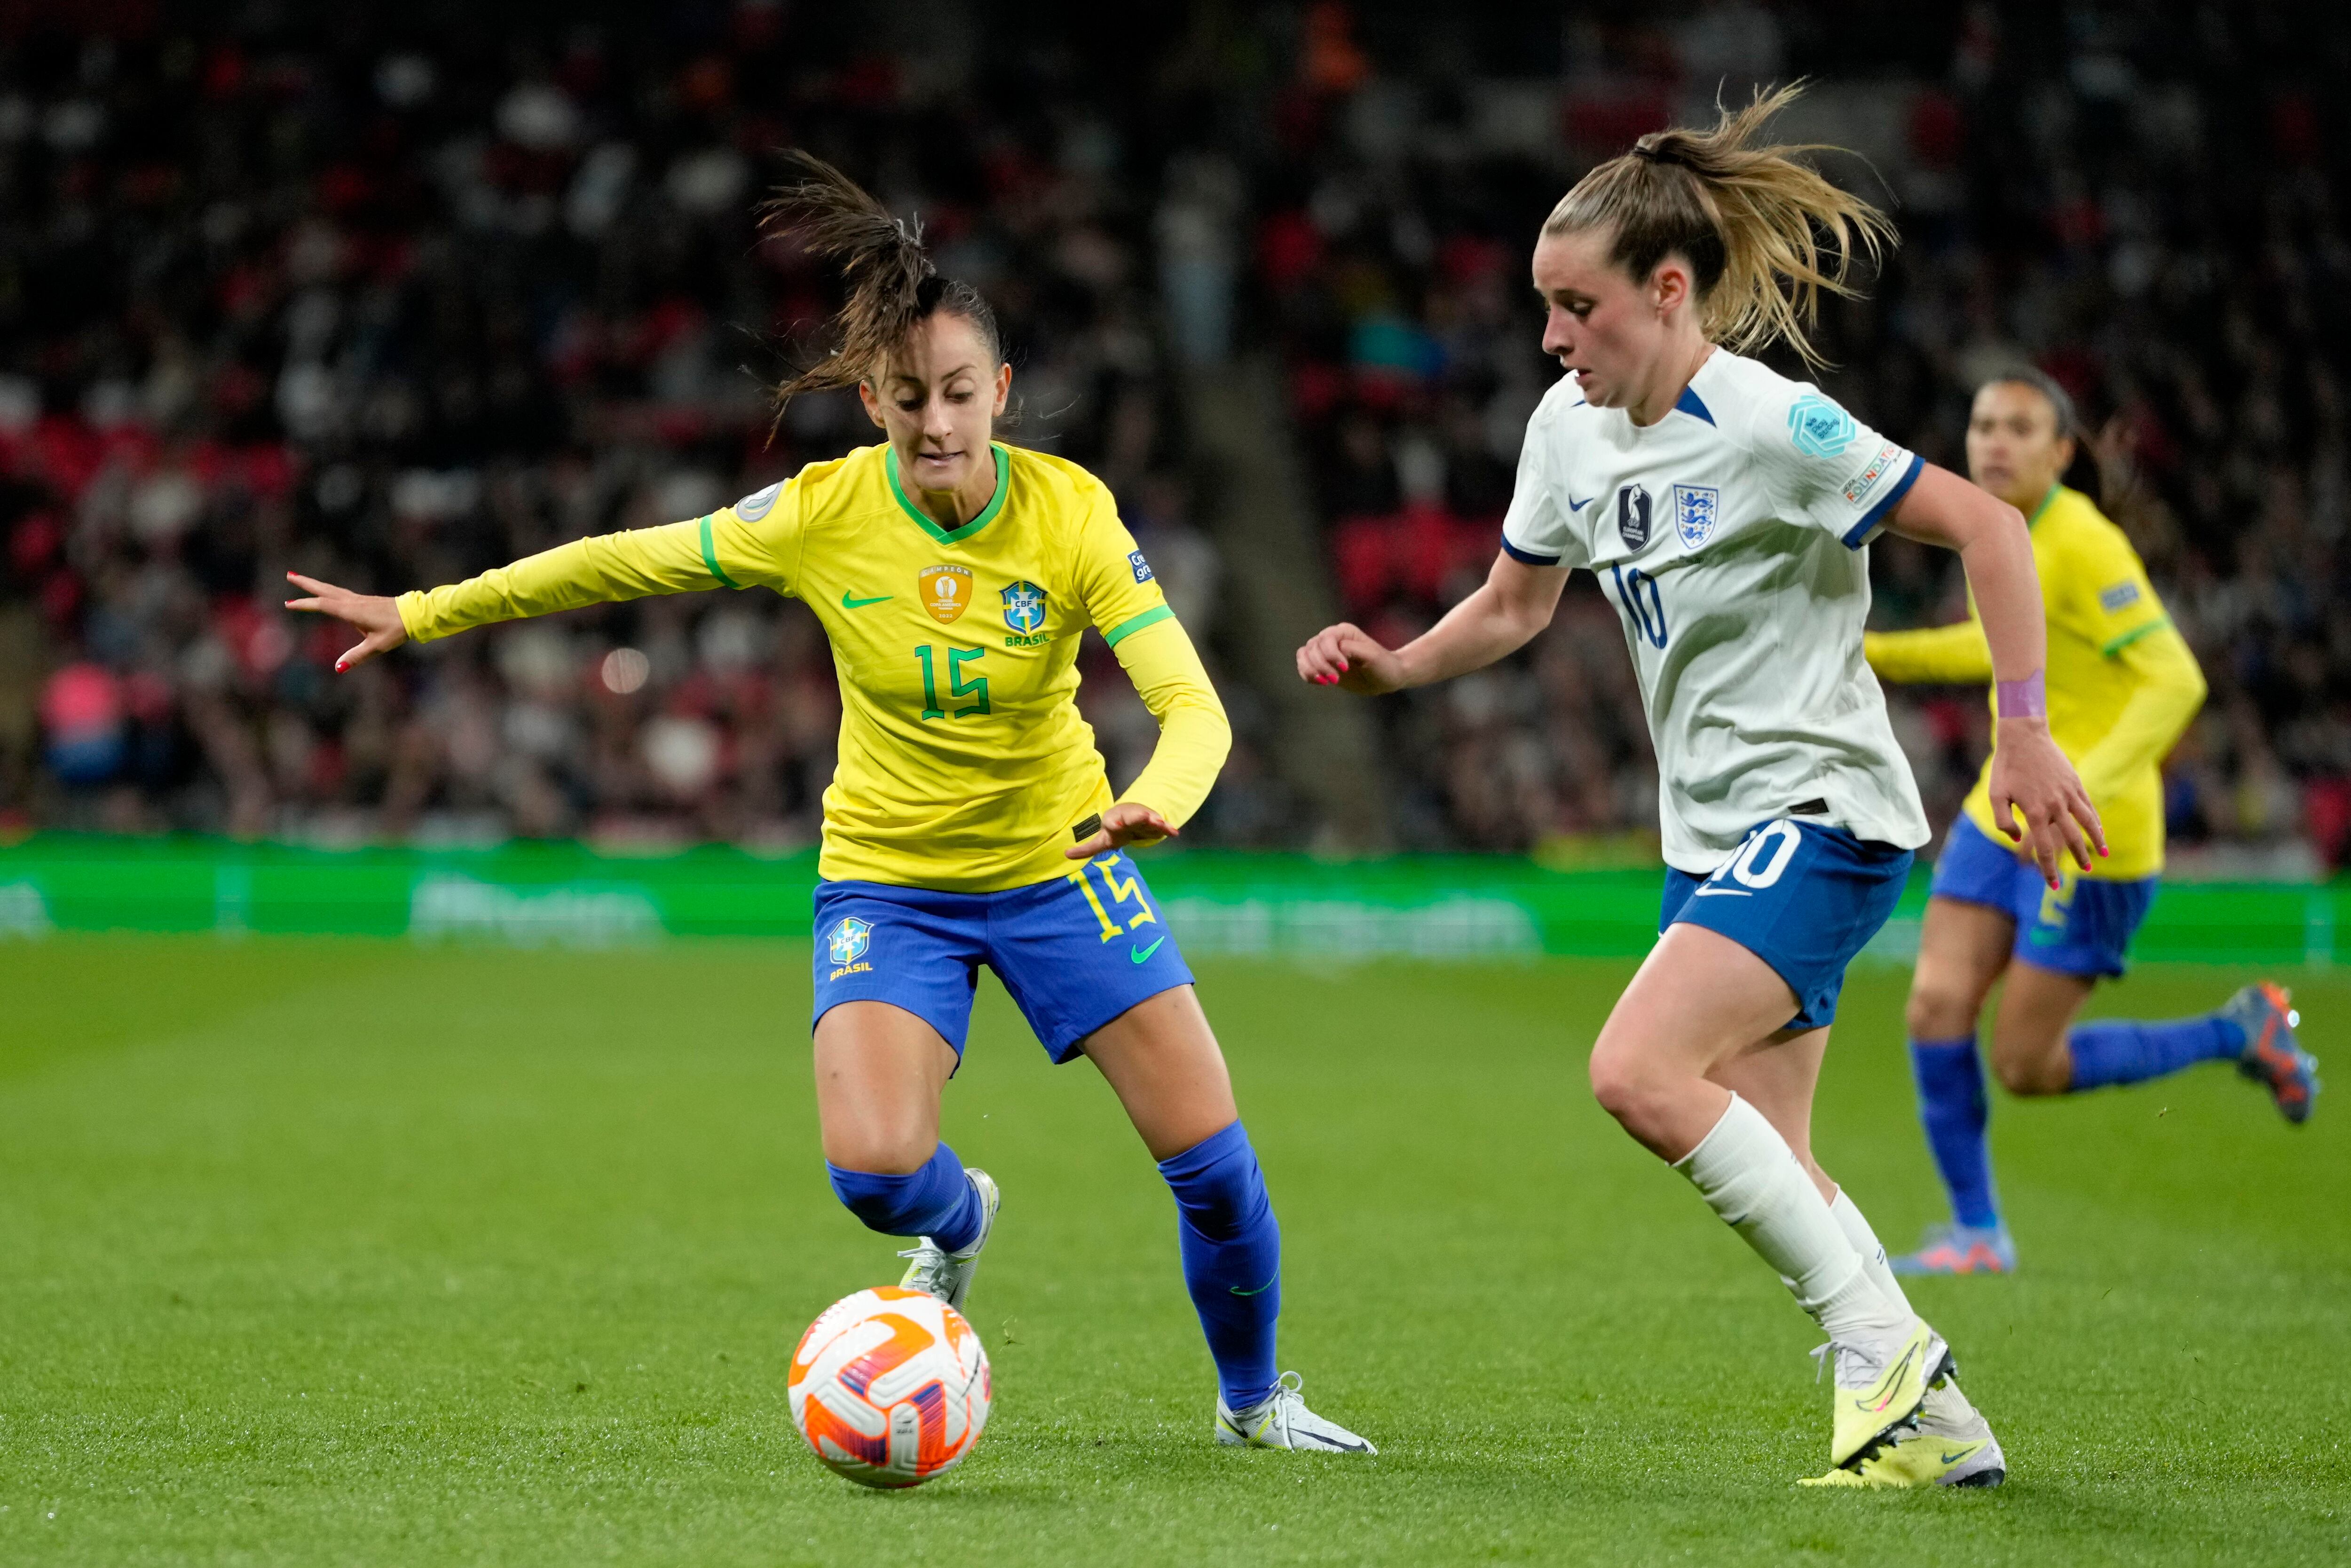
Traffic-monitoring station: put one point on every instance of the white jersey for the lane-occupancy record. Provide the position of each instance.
(1731, 534)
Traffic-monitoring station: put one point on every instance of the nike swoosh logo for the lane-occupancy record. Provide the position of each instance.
(849, 603)
(1575, 506)
(1343, 1448)
(1138, 956)
(1955, 1458)
(1723, 892)
(1890, 1385)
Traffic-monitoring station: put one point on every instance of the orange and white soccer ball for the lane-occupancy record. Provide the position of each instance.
(890, 1387)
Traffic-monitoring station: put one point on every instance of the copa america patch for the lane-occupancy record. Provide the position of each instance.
(2121, 595)
(1141, 566)
(1697, 508)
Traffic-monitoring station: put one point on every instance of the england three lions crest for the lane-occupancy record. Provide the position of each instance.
(1697, 508)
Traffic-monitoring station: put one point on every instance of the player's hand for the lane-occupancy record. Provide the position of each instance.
(2031, 779)
(1347, 657)
(1128, 822)
(377, 618)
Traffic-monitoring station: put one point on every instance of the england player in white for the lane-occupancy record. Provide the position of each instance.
(1727, 512)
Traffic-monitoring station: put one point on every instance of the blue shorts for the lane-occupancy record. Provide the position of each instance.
(1074, 952)
(2084, 928)
(1802, 896)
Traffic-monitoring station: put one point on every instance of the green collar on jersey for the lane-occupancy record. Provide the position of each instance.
(2047, 502)
(957, 535)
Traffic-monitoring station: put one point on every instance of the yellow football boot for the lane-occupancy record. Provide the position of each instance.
(1952, 1445)
(1879, 1388)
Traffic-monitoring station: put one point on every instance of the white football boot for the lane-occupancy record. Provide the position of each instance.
(1284, 1422)
(935, 1270)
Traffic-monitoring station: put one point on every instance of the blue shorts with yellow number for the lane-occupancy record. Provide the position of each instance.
(1074, 952)
(2082, 927)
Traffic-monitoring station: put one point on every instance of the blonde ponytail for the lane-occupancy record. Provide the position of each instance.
(1749, 220)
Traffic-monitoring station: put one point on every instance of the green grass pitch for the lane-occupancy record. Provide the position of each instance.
(318, 1251)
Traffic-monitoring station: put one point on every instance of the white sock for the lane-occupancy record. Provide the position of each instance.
(1750, 1178)
(1873, 1251)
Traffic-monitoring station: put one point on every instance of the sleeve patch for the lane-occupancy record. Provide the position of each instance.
(1819, 428)
(1141, 566)
(1857, 488)
(758, 502)
(2121, 596)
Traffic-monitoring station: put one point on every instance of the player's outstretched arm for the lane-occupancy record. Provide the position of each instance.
(376, 617)
(1515, 602)
(1954, 655)
(2030, 777)
(677, 558)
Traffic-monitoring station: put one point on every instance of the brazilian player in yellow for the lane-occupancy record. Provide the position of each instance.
(2122, 687)
(969, 820)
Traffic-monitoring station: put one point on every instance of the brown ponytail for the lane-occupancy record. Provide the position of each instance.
(891, 283)
(1744, 217)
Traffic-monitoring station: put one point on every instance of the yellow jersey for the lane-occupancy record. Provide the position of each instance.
(2122, 681)
(963, 764)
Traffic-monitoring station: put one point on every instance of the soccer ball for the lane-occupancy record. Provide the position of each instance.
(890, 1387)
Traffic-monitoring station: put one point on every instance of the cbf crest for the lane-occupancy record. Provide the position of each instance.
(848, 941)
(1697, 508)
(1024, 607)
(944, 590)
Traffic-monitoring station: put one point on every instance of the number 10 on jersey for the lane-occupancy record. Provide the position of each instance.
(1637, 591)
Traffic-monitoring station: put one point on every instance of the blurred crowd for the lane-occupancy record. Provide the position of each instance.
(389, 309)
(388, 304)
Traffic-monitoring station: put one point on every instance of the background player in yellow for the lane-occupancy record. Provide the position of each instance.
(969, 820)
(2122, 687)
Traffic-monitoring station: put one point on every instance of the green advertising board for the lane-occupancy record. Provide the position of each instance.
(1431, 907)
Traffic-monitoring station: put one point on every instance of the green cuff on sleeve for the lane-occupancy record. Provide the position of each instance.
(710, 554)
(2134, 634)
(1125, 628)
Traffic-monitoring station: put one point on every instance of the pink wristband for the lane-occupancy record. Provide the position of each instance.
(2027, 698)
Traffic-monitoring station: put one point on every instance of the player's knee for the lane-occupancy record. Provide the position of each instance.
(891, 1202)
(1219, 1187)
(2032, 1073)
(2030, 1068)
(881, 1148)
(1625, 1085)
(1938, 1009)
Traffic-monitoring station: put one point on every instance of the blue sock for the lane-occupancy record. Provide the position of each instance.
(934, 1201)
(1951, 1104)
(1232, 1259)
(2113, 1051)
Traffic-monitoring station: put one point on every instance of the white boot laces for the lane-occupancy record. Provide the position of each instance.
(929, 1258)
(1865, 1368)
